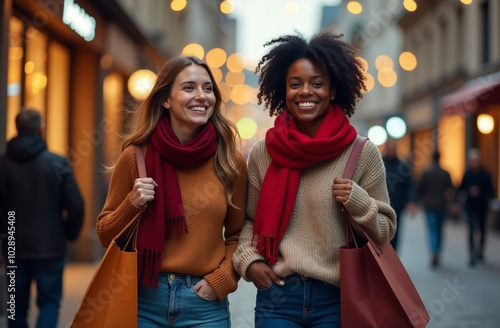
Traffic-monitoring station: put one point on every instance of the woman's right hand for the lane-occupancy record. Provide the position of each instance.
(143, 191)
(262, 275)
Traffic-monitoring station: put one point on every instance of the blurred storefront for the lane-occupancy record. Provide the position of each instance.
(452, 99)
(71, 60)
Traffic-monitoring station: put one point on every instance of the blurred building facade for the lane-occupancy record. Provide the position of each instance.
(72, 59)
(455, 82)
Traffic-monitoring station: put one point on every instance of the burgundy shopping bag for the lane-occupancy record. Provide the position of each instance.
(375, 289)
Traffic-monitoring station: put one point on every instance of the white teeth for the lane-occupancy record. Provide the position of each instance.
(307, 104)
(198, 109)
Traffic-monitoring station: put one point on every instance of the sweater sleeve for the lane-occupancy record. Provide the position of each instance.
(368, 203)
(246, 254)
(225, 279)
(118, 209)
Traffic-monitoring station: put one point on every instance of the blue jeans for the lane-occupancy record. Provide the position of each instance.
(435, 221)
(175, 304)
(48, 274)
(302, 302)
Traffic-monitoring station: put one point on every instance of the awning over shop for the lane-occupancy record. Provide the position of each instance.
(478, 92)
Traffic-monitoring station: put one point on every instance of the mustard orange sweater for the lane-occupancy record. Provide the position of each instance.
(214, 226)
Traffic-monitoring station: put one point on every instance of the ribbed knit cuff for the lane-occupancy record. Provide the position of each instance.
(358, 202)
(246, 258)
(223, 282)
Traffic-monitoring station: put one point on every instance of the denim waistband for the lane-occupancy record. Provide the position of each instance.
(178, 278)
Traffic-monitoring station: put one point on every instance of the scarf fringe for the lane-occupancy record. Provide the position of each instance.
(149, 267)
(267, 247)
(175, 226)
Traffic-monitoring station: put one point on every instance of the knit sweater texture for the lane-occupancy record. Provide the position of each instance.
(316, 231)
(214, 226)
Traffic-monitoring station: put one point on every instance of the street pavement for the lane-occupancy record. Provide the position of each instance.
(455, 295)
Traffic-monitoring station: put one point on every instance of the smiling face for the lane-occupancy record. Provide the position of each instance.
(191, 101)
(308, 94)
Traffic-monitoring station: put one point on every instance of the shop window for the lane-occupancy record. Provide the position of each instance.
(451, 143)
(113, 90)
(35, 70)
(14, 74)
(38, 77)
(57, 117)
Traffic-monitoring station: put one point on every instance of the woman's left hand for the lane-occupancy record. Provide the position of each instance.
(204, 290)
(342, 189)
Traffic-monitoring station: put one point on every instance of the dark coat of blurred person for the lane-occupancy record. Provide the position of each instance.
(435, 193)
(478, 190)
(41, 209)
(400, 185)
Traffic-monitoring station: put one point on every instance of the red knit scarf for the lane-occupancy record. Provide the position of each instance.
(164, 215)
(291, 152)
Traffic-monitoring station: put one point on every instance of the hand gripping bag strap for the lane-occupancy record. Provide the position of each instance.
(114, 283)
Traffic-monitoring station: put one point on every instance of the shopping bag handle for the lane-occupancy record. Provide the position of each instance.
(127, 238)
(348, 173)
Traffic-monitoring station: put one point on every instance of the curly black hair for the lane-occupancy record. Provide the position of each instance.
(335, 56)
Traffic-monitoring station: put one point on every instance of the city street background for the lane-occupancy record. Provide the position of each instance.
(455, 295)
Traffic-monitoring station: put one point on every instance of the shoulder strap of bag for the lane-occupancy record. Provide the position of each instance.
(139, 158)
(348, 173)
(127, 238)
(354, 156)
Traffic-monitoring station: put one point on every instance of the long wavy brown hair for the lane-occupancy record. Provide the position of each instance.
(148, 114)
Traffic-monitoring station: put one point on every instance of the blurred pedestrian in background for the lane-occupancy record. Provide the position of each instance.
(41, 208)
(291, 241)
(435, 193)
(400, 185)
(195, 194)
(477, 189)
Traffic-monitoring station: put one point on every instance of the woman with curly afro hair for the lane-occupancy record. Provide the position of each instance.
(289, 246)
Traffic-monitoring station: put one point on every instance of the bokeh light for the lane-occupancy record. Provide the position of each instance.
(396, 127)
(387, 78)
(485, 123)
(178, 5)
(410, 5)
(369, 82)
(377, 134)
(407, 61)
(216, 57)
(194, 49)
(236, 62)
(140, 83)
(383, 61)
(363, 62)
(247, 128)
(354, 7)
(226, 7)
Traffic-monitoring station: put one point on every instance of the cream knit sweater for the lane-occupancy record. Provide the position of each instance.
(316, 230)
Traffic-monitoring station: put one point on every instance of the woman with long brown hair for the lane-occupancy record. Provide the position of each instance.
(193, 199)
